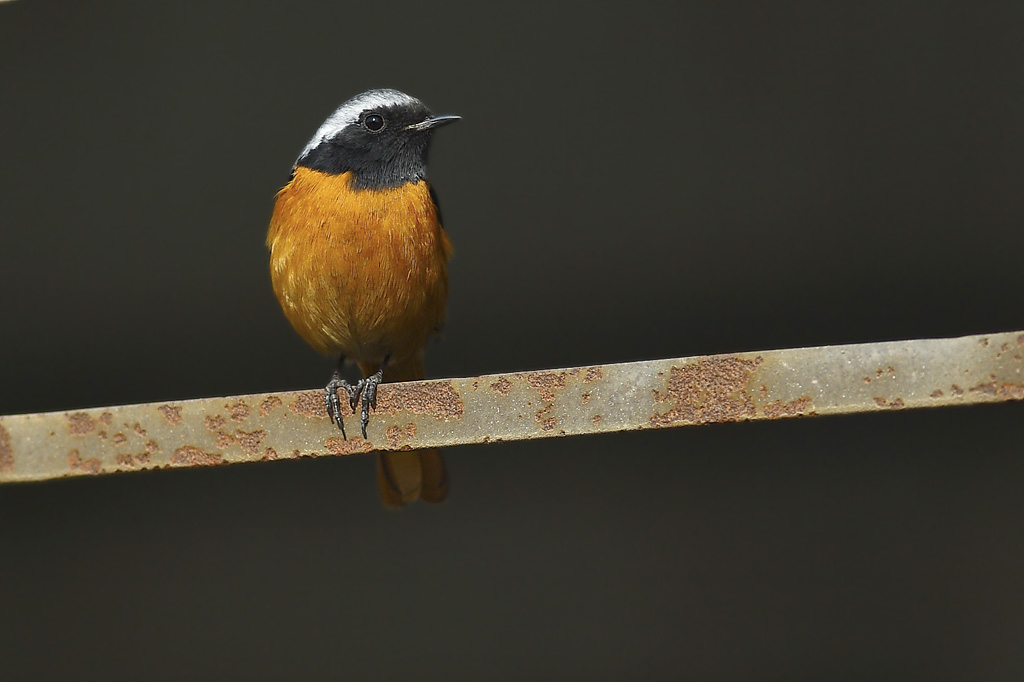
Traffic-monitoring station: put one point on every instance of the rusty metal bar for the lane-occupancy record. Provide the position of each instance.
(504, 407)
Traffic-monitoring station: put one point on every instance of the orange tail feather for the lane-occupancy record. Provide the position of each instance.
(404, 477)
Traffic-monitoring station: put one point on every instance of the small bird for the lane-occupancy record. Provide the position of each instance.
(358, 262)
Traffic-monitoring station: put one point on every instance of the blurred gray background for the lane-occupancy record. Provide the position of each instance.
(630, 181)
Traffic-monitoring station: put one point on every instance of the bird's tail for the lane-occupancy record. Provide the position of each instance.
(404, 477)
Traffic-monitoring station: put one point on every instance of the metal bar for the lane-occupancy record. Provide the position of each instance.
(504, 407)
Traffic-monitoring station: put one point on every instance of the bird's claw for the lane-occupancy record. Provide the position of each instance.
(353, 394)
(333, 404)
(369, 398)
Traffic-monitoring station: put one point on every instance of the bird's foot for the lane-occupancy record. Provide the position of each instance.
(369, 398)
(334, 405)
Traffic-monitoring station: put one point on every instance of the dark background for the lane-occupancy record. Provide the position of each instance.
(630, 181)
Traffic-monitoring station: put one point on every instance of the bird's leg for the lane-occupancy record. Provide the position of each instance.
(331, 396)
(370, 393)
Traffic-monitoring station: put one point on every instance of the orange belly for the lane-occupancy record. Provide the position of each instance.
(359, 273)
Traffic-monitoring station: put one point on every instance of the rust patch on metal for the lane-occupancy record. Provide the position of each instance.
(393, 436)
(120, 439)
(779, 409)
(937, 393)
(585, 398)
(544, 418)
(270, 454)
(250, 442)
(435, 398)
(589, 373)
(238, 411)
(546, 383)
(956, 390)
(137, 428)
(708, 390)
(596, 419)
(80, 423)
(171, 414)
(133, 461)
(397, 435)
(89, 466)
(6, 451)
(215, 422)
(897, 404)
(309, 404)
(340, 446)
(190, 455)
(106, 418)
(502, 386)
(269, 405)
(1001, 390)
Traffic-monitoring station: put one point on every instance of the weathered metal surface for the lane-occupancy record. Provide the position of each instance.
(637, 395)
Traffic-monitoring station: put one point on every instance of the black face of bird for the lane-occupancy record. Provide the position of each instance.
(381, 136)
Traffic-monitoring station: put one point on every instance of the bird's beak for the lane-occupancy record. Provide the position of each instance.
(433, 122)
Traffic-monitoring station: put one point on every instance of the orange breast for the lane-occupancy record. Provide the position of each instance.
(358, 272)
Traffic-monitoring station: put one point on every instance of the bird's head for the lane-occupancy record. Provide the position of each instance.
(381, 136)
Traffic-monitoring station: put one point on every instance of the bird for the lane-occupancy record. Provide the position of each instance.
(358, 262)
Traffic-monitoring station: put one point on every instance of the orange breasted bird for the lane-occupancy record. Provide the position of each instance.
(358, 262)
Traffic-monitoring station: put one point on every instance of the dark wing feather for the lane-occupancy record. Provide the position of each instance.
(437, 204)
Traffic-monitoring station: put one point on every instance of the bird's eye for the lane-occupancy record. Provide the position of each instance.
(374, 123)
